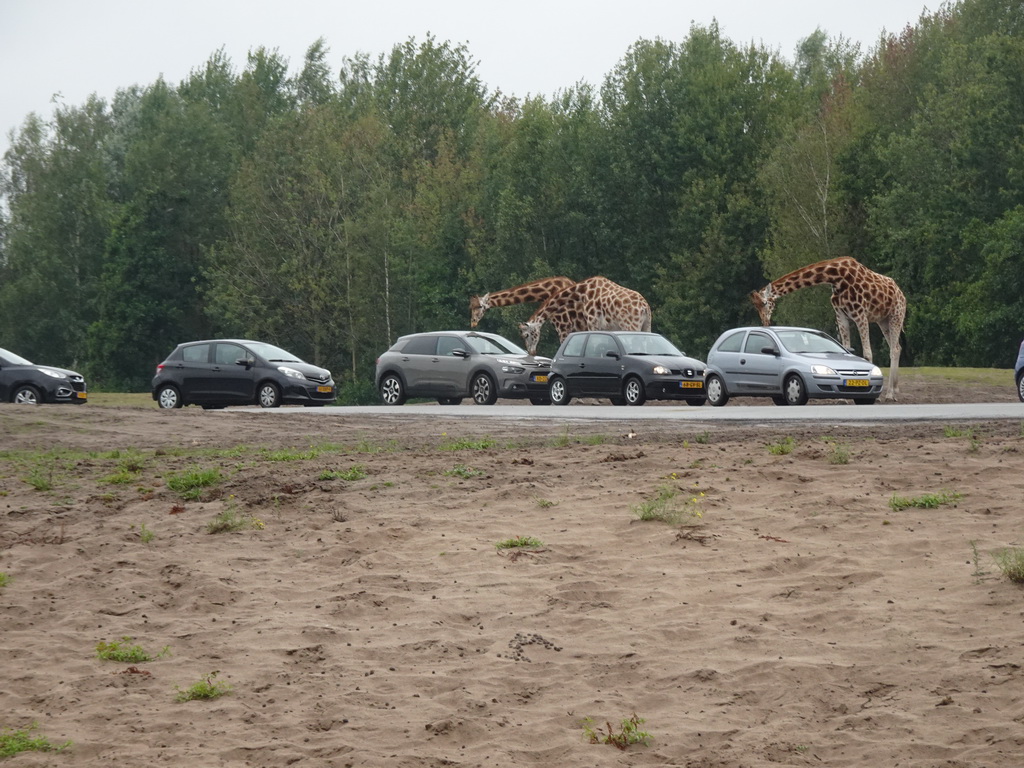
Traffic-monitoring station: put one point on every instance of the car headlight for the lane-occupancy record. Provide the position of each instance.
(512, 369)
(53, 374)
(661, 370)
(822, 370)
(291, 373)
(876, 371)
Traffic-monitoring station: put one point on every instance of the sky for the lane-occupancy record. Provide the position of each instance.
(62, 51)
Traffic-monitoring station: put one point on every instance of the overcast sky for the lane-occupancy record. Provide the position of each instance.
(78, 47)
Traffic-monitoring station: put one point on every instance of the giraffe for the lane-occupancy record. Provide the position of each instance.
(858, 294)
(594, 304)
(537, 291)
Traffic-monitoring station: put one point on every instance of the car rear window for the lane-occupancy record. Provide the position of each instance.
(421, 345)
(198, 353)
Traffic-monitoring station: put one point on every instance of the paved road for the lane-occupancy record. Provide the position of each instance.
(876, 413)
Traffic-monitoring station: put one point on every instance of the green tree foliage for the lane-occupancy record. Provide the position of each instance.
(330, 213)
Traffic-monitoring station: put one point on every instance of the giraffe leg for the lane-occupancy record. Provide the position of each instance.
(892, 336)
(864, 331)
(843, 324)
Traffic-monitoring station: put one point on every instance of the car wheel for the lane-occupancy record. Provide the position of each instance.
(695, 402)
(269, 395)
(778, 400)
(559, 393)
(864, 400)
(391, 390)
(169, 397)
(449, 400)
(717, 393)
(794, 391)
(633, 391)
(540, 400)
(26, 395)
(483, 390)
(618, 401)
(1020, 386)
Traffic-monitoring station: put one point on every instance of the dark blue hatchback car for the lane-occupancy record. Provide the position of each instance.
(1018, 371)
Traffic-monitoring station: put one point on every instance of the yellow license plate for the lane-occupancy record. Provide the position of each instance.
(81, 395)
(691, 384)
(541, 379)
(858, 383)
(326, 390)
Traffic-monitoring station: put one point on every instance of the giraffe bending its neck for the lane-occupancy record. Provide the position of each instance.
(537, 291)
(595, 304)
(858, 294)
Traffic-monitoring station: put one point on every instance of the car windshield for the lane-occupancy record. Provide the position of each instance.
(809, 341)
(273, 354)
(647, 344)
(485, 345)
(13, 359)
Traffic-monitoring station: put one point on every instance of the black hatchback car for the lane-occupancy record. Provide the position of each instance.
(221, 372)
(626, 366)
(26, 383)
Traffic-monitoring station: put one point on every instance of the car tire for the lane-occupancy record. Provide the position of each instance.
(1020, 386)
(269, 395)
(718, 395)
(540, 400)
(559, 392)
(449, 400)
(618, 401)
(482, 390)
(779, 400)
(26, 395)
(794, 390)
(633, 391)
(392, 391)
(696, 402)
(168, 397)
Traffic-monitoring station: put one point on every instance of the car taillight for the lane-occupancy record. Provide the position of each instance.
(160, 367)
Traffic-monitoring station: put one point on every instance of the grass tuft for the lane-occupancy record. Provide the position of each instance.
(207, 688)
(1011, 562)
(520, 542)
(13, 742)
(627, 733)
(123, 651)
(190, 483)
(925, 501)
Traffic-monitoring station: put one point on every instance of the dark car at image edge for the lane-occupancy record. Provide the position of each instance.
(26, 383)
(215, 373)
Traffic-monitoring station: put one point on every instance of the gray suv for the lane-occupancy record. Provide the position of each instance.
(452, 365)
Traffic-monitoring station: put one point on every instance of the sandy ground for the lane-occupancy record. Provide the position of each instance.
(372, 621)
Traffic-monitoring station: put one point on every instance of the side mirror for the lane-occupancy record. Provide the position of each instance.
(459, 353)
(612, 353)
(769, 351)
(244, 361)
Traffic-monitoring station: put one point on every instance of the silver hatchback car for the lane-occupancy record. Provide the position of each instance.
(452, 365)
(789, 365)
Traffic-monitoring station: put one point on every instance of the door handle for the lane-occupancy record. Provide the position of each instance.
(743, 361)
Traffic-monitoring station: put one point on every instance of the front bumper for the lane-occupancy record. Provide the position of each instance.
(309, 393)
(675, 388)
(532, 384)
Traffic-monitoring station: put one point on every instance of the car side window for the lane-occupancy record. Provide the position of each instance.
(199, 353)
(574, 346)
(600, 344)
(446, 345)
(756, 342)
(227, 354)
(732, 344)
(421, 345)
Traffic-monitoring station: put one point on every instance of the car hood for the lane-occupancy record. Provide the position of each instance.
(63, 371)
(842, 356)
(670, 361)
(530, 361)
(313, 371)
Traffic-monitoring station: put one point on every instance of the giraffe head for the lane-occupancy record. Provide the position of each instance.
(764, 302)
(477, 306)
(531, 335)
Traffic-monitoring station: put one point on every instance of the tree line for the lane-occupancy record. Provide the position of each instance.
(330, 212)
